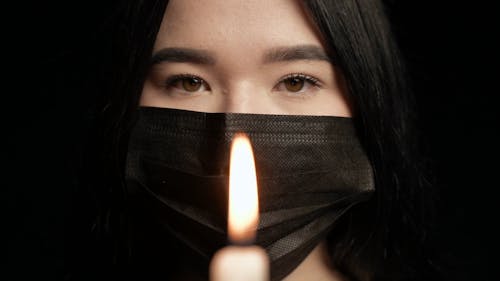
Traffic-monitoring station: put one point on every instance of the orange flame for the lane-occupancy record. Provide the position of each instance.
(243, 210)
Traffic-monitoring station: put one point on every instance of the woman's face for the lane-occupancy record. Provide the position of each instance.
(254, 56)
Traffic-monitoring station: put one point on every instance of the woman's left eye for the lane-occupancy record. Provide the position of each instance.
(297, 83)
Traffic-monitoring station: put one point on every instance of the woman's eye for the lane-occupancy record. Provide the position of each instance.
(187, 83)
(297, 83)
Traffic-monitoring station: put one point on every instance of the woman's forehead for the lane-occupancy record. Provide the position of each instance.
(242, 28)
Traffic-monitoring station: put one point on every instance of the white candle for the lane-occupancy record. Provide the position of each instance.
(241, 262)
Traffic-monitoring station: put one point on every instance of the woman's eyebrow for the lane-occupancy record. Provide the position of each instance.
(205, 57)
(183, 55)
(299, 52)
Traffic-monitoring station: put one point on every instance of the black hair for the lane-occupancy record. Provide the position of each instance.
(391, 243)
(123, 47)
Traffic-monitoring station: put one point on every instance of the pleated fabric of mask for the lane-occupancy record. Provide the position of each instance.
(310, 170)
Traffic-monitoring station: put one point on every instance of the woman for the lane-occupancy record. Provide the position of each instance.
(238, 60)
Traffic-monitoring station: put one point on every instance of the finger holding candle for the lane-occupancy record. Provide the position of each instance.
(241, 262)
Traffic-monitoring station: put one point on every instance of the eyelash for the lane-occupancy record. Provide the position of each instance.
(172, 80)
(308, 78)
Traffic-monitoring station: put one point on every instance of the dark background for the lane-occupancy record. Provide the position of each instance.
(452, 61)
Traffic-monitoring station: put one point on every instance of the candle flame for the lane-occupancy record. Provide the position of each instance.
(243, 210)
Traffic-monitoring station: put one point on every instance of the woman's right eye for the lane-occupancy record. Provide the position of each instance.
(187, 83)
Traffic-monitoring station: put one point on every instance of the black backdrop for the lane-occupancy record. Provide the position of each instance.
(452, 61)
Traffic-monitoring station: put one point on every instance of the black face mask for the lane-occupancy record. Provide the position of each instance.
(310, 170)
